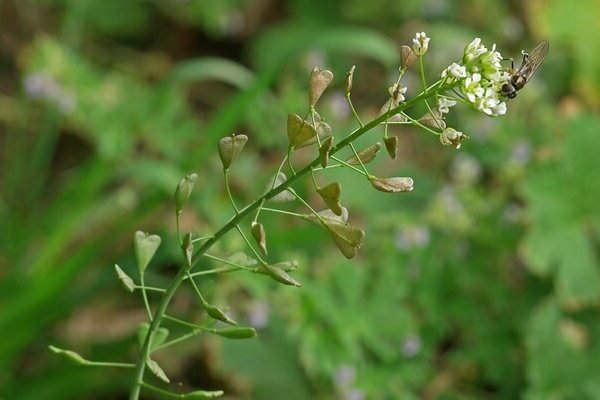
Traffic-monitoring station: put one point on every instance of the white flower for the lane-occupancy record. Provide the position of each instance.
(472, 88)
(500, 109)
(474, 50)
(451, 136)
(397, 92)
(457, 71)
(420, 43)
(444, 105)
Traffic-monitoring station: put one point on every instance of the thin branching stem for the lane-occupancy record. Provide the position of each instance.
(248, 210)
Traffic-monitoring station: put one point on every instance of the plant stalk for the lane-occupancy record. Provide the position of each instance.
(250, 208)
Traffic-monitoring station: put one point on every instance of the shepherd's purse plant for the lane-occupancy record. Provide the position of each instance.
(476, 80)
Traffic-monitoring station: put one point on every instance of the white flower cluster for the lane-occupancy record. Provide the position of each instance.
(480, 76)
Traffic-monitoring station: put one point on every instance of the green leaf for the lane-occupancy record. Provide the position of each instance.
(157, 370)
(127, 282)
(145, 246)
(331, 196)
(160, 335)
(299, 131)
(235, 333)
(366, 155)
(230, 147)
(561, 201)
(211, 68)
(69, 355)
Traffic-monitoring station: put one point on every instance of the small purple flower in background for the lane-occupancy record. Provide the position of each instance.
(411, 346)
(258, 315)
(414, 237)
(344, 376)
(42, 86)
(339, 105)
(353, 394)
(521, 153)
(466, 169)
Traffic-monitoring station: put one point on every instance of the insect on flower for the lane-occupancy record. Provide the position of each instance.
(531, 62)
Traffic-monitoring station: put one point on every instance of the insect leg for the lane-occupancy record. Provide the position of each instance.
(512, 62)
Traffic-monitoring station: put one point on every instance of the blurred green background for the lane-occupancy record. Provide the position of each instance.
(483, 283)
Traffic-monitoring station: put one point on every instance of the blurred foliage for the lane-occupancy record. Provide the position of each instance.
(484, 282)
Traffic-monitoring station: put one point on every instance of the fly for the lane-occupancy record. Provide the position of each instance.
(531, 62)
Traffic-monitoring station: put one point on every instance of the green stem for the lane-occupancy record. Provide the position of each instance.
(243, 213)
(243, 235)
(161, 391)
(216, 271)
(145, 296)
(356, 116)
(108, 364)
(366, 173)
(282, 212)
(425, 89)
(226, 175)
(150, 288)
(345, 164)
(417, 123)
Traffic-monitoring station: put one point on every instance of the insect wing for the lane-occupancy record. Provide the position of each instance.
(533, 62)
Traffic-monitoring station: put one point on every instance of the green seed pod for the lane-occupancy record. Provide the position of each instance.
(322, 128)
(328, 216)
(183, 191)
(218, 314)
(407, 57)
(235, 333)
(433, 119)
(392, 185)
(69, 355)
(287, 266)
(366, 155)
(284, 196)
(391, 145)
(259, 234)
(347, 238)
(230, 147)
(188, 249)
(157, 370)
(125, 279)
(145, 246)
(349, 79)
(280, 275)
(203, 394)
(320, 79)
(299, 131)
(324, 151)
(331, 196)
